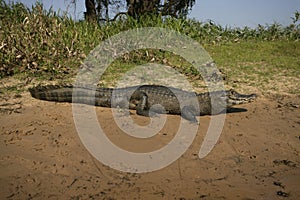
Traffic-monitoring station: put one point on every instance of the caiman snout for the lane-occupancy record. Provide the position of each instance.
(235, 98)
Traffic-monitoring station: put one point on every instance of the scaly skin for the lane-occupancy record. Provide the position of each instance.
(142, 98)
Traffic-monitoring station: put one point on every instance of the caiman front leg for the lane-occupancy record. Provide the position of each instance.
(189, 113)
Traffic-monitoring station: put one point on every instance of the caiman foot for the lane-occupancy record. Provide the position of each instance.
(188, 113)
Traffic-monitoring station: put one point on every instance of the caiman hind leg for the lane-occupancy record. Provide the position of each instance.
(142, 107)
(140, 99)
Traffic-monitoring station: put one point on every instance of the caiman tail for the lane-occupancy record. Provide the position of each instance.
(65, 93)
(52, 93)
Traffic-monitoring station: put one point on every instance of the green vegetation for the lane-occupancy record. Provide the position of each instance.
(44, 45)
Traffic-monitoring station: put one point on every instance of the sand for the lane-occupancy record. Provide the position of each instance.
(256, 156)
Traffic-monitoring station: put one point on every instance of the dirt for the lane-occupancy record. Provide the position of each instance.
(256, 156)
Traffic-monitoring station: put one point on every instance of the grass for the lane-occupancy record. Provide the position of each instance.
(38, 45)
(270, 66)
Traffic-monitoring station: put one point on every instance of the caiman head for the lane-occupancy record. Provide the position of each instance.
(235, 98)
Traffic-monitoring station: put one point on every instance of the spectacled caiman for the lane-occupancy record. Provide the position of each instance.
(145, 99)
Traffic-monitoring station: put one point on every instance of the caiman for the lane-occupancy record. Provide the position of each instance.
(147, 100)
